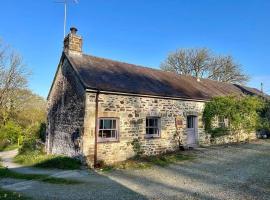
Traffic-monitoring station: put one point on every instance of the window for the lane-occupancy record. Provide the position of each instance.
(108, 129)
(152, 127)
(190, 121)
(223, 122)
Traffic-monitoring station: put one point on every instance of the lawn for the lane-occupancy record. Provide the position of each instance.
(7, 173)
(149, 161)
(42, 160)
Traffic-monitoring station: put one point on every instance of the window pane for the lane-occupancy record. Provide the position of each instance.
(100, 124)
(151, 131)
(106, 133)
(190, 122)
(113, 134)
(157, 131)
(100, 134)
(107, 123)
(147, 123)
(156, 122)
(113, 124)
(151, 122)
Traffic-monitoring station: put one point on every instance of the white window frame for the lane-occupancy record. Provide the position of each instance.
(157, 126)
(224, 123)
(116, 129)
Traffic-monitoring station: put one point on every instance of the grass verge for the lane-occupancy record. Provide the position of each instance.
(41, 160)
(8, 195)
(149, 161)
(9, 147)
(6, 173)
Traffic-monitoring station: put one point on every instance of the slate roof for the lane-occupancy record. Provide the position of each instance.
(114, 76)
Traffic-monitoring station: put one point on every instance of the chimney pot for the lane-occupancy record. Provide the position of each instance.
(73, 42)
(73, 30)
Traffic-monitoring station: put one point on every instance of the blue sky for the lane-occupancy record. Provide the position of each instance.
(140, 32)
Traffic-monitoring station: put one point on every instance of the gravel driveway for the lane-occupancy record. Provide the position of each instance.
(224, 172)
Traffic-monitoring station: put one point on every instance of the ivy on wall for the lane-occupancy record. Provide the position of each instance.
(243, 113)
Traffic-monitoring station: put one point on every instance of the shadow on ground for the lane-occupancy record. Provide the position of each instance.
(219, 173)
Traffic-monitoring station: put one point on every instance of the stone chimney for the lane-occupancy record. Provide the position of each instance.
(73, 42)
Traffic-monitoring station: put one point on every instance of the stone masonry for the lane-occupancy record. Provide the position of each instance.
(65, 113)
(132, 112)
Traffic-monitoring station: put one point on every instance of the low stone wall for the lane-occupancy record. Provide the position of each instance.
(233, 138)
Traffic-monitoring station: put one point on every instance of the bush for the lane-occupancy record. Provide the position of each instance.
(10, 132)
(32, 140)
(218, 132)
(3, 144)
(243, 113)
(28, 145)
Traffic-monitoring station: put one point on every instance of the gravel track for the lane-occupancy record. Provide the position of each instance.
(218, 173)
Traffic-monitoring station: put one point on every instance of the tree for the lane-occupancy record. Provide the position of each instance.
(13, 77)
(202, 63)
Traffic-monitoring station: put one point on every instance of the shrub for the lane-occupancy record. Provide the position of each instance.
(218, 132)
(242, 113)
(28, 145)
(137, 147)
(10, 132)
(4, 143)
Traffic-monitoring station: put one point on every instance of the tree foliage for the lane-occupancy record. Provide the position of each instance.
(265, 117)
(202, 63)
(243, 113)
(21, 111)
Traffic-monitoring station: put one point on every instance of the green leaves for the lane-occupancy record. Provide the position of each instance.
(243, 113)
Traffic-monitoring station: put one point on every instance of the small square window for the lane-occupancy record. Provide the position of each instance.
(223, 122)
(152, 127)
(108, 129)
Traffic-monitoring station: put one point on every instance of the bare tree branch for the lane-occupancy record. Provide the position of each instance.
(201, 63)
(13, 77)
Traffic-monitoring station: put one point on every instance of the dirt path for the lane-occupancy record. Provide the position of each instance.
(239, 172)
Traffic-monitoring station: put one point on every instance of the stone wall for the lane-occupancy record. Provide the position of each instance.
(233, 138)
(132, 112)
(65, 113)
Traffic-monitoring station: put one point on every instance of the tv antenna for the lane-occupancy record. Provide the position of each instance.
(65, 2)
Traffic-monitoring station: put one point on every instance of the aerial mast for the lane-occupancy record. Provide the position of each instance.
(65, 2)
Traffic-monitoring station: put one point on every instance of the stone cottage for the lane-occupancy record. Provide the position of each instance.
(97, 107)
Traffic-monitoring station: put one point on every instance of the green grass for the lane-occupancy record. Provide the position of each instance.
(9, 147)
(8, 195)
(6, 173)
(167, 159)
(41, 160)
(149, 161)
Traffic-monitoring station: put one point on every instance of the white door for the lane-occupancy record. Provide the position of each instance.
(191, 131)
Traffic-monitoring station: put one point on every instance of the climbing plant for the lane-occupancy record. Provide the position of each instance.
(243, 113)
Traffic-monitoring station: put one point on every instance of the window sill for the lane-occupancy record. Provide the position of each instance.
(108, 141)
(152, 136)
